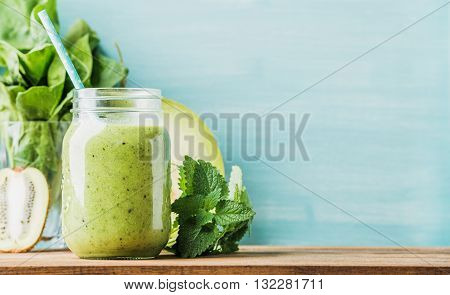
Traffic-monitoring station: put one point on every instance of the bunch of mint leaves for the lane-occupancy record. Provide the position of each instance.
(213, 216)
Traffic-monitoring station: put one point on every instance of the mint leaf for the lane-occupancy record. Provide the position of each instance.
(201, 178)
(189, 205)
(229, 242)
(208, 179)
(193, 240)
(203, 217)
(211, 200)
(187, 170)
(228, 212)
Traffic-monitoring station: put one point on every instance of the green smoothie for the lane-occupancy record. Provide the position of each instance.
(116, 190)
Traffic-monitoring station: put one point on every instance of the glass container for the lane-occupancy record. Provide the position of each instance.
(116, 175)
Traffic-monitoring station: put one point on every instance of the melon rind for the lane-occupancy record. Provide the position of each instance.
(190, 126)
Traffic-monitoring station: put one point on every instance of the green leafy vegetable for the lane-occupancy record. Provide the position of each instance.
(8, 95)
(35, 63)
(81, 56)
(229, 212)
(194, 239)
(37, 103)
(36, 147)
(107, 72)
(30, 66)
(210, 220)
(9, 61)
(78, 30)
(19, 25)
(201, 178)
(56, 74)
(34, 88)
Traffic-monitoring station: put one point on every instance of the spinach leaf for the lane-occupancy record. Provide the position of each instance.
(35, 63)
(63, 107)
(19, 25)
(8, 95)
(9, 59)
(37, 103)
(79, 29)
(56, 76)
(38, 33)
(107, 72)
(37, 148)
(81, 56)
(56, 72)
(25, 151)
(46, 160)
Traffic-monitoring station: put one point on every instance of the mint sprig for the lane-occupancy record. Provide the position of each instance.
(211, 219)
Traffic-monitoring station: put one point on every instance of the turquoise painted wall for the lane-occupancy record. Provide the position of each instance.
(378, 136)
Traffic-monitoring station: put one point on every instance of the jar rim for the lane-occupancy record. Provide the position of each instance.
(117, 93)
(104, 100)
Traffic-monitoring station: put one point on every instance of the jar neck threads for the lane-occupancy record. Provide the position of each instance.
(116, 100)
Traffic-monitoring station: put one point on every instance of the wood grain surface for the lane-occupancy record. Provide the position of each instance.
(267, 260)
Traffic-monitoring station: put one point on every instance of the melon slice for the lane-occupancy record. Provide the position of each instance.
(189, 135)
(24, 199)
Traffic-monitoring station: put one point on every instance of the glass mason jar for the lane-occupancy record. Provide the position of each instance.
(116, 175)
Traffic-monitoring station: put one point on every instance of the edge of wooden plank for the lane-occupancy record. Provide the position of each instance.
(226, 270)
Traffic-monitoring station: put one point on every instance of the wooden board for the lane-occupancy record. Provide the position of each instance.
(249, 260)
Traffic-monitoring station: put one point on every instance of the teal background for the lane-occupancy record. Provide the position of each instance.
(378, 136)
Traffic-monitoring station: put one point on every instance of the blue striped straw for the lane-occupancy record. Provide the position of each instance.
(60, 49)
